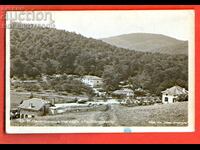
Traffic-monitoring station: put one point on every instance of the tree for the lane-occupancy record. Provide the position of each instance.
(51, 66)
(17, 66)
(67, 62)
(31, 71)
(110, 78)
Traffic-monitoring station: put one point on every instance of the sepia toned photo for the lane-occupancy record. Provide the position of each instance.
(100, 71)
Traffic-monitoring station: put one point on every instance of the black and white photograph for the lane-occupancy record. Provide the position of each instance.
(100, 71)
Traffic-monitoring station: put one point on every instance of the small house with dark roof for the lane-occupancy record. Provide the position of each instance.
(33, 107)
(170, 95)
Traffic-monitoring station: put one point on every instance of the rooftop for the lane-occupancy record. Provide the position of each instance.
(123, 91)
(92, 77)
(33, 104)
(175, 90)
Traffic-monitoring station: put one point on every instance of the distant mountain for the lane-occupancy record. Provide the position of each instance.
(146, 42)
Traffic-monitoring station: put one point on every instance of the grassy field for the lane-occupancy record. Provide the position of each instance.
(156, 115)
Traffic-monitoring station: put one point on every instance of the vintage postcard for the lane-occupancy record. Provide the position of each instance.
(100, 71)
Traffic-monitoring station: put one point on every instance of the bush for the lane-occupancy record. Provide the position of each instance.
(45, 86)
(140, 93)
(32, 87)
(19, 90)
(69, 86)
(182, 98)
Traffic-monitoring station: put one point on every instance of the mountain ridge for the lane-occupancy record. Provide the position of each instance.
(149, 42)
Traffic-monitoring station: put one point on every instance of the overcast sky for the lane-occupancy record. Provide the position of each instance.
(101, 24)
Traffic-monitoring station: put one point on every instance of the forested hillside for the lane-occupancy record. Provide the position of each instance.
(37, 51)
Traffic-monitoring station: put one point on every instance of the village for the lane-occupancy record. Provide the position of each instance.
(39, 104)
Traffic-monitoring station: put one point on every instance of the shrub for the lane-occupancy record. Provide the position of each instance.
(32, 87)
(182, 98)
(140, 93)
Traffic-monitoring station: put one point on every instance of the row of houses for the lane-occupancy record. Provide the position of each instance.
(170, 95)
(38, 107)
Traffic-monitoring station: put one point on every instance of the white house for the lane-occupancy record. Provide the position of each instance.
(123, 93)
(92, 81)
(170, 95)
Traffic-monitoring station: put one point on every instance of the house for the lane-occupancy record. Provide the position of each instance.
(33, 107)
(92, 81)
(170, 95)
(123, 93)
(99, 92)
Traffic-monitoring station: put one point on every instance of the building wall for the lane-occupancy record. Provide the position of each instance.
(170, 98)
(92, 83)
(130, 94)
(30, 114)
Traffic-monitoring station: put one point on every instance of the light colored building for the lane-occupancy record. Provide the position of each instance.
(33, 107)
(123, 93)
(170, 95)
(92, 81)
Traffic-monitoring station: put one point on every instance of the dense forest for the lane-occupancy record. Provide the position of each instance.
(36, 51)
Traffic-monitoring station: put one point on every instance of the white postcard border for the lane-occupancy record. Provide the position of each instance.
(35, 130)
